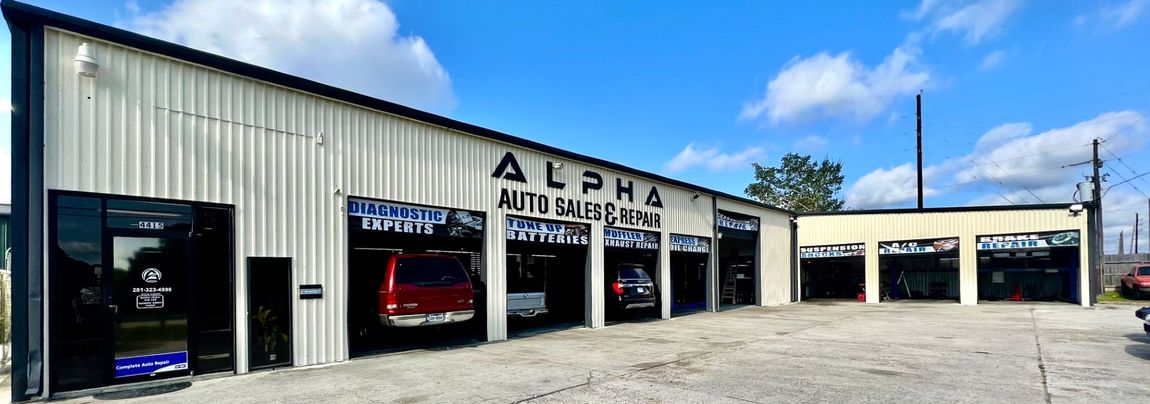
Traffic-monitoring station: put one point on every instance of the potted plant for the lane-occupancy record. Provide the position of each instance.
(269, 331)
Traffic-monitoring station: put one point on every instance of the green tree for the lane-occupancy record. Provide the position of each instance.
(799, 184)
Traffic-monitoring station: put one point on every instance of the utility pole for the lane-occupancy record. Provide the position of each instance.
(1121, 239)
(918, 115)
(1137, 224)
(1097, 199)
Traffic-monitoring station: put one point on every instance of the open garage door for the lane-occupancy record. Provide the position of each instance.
(415, 278)
(546, 275)
(689, 258)
(919, 269)
(1029, 266)
(738, 250)
(833, 271)
(630, 262)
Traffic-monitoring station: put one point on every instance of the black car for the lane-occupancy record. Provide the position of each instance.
(630, 288)
(1141, 314)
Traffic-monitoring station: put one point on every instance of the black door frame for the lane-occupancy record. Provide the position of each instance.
(108, 354)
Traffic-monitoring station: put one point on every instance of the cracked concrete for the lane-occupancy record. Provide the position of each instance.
(830, 351)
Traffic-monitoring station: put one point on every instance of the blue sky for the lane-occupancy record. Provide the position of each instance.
(1013, 90)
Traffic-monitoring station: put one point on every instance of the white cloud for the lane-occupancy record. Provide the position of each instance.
(1009, 164)
(352, 44)
(810, 143)
(838, 86)
(974, 20)
(992, 60)
(887, 187)
(1116, 16)
(712, 159)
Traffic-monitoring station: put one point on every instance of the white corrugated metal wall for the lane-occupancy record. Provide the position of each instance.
(157, 127)
(875, 228)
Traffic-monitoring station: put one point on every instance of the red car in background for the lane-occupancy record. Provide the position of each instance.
(425, 289)
(1136, 283)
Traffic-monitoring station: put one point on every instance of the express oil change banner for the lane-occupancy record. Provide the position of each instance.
(690, 244)
(924, 246)
(632, 239)
(393, 217)
(1068, 238)
(536, 231)
(833, 251)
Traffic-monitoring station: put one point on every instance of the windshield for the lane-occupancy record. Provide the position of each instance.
(429, 271)
(526, 278)
(1143, 270)
(633, 273)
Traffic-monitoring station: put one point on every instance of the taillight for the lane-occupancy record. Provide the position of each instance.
(390, 300)
(618, 288)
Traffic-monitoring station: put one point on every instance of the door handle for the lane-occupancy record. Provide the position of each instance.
(115, 308)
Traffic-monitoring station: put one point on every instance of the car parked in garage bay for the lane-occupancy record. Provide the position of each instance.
(629, 287)
(425, 289)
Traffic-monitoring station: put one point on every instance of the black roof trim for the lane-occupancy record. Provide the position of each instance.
(952, 209)
(16, 11)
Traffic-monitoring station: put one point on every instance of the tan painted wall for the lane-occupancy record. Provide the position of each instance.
(874, 228)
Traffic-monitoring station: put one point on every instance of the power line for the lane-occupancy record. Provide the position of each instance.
(1120, 161)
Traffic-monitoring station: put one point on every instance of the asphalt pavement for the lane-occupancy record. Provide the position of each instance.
(809, 352)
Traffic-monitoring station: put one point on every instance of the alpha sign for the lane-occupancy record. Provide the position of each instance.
(610, 213)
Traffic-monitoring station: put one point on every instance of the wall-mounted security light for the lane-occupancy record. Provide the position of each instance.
(84, 62)
(557, 166)
(695, 196)
(1075, 209)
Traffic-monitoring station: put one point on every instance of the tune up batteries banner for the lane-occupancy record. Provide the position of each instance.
(537, 231)
(633, 239)
(412, 219)
(833, 251)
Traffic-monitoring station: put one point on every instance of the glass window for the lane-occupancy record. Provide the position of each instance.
(633, 273)
(1144, 271)
(429, 271)
(76, 318)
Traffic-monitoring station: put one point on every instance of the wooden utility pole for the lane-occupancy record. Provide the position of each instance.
(1099, 237)
(1121, 239)
(918, 115)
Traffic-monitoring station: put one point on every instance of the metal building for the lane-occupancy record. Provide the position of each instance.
(1034, 252)
(164, 199)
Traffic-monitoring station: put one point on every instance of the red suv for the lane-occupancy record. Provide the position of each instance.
(1137, 282)
(424, 289)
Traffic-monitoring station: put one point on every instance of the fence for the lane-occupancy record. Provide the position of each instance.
(1114, 266)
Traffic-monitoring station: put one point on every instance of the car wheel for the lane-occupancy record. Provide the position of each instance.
(1122, 290)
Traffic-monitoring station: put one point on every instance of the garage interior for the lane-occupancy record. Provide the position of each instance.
(833, 278)
(563, 268)
(736, 252)
(919, 269)
(614, 257)
(368, 255)
(1038, 271)
(688, 282)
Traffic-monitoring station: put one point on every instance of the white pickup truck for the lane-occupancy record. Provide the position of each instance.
(526, 285)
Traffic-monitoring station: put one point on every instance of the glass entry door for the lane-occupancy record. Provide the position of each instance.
(147, 300)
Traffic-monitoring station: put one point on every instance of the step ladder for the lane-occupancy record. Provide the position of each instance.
(729, 287)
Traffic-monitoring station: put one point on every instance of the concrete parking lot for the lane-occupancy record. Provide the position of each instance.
(809, 352)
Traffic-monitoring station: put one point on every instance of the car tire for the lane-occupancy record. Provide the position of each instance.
(1123, 291)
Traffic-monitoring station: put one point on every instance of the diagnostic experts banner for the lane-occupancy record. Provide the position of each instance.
(833, 251)
(412, 219)
(690, 244)
(537, 231)
(924, 246)
(632, 239)
(1069, 238)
